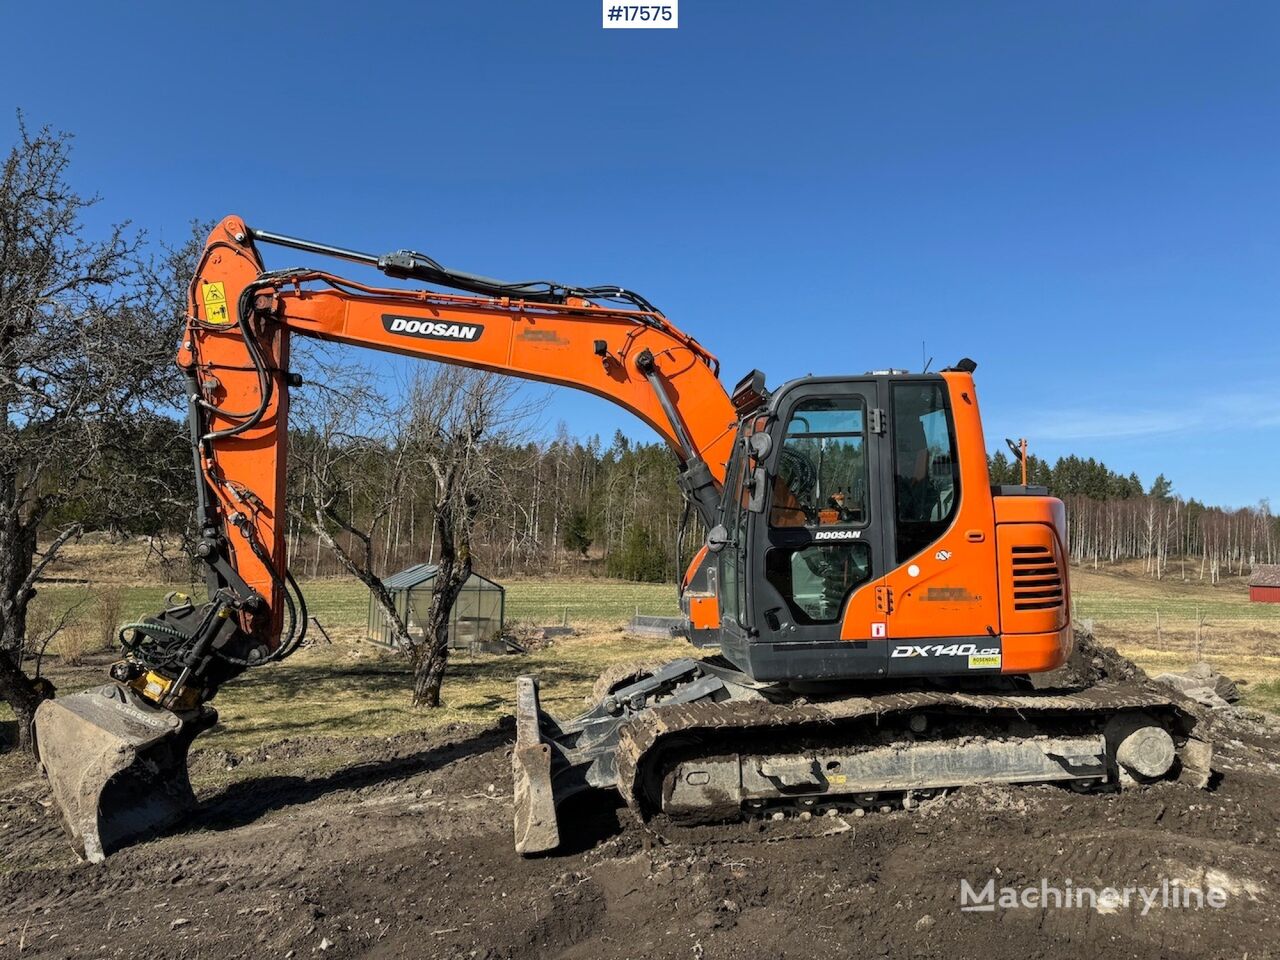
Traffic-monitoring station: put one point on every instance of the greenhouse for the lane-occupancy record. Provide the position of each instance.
(476, 622)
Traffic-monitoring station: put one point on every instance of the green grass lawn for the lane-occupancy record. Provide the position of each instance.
(1127, 601)
(343, 604)
(348, 688)
(1239, 638)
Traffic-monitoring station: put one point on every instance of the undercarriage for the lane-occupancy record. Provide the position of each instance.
(697, 741)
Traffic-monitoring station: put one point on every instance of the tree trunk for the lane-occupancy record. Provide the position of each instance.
(17, 555)
(428, 674)
(23, 696)
(453, 571)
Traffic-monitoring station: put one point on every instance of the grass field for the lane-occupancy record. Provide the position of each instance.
(349, 688)
(1241, 639)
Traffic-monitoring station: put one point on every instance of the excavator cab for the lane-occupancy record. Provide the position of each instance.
(840, 515)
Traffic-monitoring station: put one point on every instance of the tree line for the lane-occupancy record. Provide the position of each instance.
(569, 505)
(1111, 518)
(572, 505)
(564, 505)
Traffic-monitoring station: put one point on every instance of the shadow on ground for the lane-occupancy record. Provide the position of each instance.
(245, 801)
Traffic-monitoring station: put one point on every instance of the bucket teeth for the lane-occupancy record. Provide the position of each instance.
(117, 767)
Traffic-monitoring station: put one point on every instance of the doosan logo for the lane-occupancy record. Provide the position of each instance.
(432, 330)
(838, 535)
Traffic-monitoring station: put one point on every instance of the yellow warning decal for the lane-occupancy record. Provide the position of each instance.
(979, 661)
(215, 303)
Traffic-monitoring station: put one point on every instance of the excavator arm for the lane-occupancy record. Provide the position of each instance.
(116, 756)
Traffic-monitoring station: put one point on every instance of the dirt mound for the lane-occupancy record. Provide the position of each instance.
(1091, 662)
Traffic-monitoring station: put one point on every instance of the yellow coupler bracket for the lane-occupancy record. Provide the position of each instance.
(535, 807)
(155, 687)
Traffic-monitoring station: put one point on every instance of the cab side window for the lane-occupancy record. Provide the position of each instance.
(926, 476)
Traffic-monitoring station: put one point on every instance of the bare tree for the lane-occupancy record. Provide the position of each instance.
(362, 456)
(462, 421)
(347, 446)
(87, 329)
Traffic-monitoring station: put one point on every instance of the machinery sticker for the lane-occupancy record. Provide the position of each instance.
(969, 650)
(984, 661)
(548, 337)
(431, 330)
(215, 303)
(949, 595)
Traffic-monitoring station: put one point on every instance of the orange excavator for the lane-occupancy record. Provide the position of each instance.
(870, 609)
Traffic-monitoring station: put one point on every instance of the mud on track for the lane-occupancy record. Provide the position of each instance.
(408, 853)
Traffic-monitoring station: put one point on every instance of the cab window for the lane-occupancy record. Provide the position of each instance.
(822, 474)
(925, 466)
(817, 578)
(733, 573)
(821, 479)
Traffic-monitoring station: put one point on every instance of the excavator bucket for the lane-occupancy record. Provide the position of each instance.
(117, 767)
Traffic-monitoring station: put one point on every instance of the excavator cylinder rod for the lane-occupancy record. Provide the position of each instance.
(312, 246)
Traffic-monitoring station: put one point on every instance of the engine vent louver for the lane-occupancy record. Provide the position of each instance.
(1037, 581)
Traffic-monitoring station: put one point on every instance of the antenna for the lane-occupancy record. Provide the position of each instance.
(926, 364)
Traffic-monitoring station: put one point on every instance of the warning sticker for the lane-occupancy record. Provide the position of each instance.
(984, 661)
(215, 303)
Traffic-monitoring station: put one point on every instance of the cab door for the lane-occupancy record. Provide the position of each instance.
(943, 577)
(818, 543)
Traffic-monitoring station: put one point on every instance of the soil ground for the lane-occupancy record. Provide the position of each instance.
(316, 838)
(402, 847)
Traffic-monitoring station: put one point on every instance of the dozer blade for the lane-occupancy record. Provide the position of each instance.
(536, 826)
(117, 767)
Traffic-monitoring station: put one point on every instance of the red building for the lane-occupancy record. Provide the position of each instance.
(1264, 584)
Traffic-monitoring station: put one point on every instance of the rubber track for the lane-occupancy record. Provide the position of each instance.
(639, 737)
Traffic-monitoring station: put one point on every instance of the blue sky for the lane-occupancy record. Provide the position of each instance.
(1084, 197)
